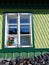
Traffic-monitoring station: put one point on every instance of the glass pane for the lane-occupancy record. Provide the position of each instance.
(12, 30)
(25, 40)
(12, 41)
(24, 19)
(24, 29)
(12, 21)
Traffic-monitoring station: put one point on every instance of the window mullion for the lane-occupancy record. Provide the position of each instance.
(6, 30)
(31, 27)
(18, 30)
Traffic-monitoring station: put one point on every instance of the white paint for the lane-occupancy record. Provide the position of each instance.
(17, 36)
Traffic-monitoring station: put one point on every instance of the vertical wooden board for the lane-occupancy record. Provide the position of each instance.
(5, 55)
(24, 54)
(37, 53)
(1, 20)
(9, 55)
(16, 54)
(1, 55)
(31, 54)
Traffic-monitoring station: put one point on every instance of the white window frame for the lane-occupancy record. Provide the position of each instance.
(6, 30)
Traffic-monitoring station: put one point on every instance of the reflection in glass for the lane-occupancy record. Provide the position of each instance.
(12, 30)
(25, 40)
(12, 21)
(24, 20)
(24, 29)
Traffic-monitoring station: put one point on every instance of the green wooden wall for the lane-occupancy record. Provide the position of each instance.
(40, 18)
(41, 30)
(40, 24)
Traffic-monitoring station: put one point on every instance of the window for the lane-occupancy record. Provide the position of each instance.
(18, 30)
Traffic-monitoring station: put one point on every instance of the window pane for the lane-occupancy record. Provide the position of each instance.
(24, 29)
(12, 41)
(25, 40)
(12, 21)
(12, 30)
(24, 19)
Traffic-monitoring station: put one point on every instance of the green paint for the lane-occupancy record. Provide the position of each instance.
(1, 55)
(39, 30)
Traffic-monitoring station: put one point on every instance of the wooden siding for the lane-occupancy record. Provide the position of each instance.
(41, 30)
(41, 33)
